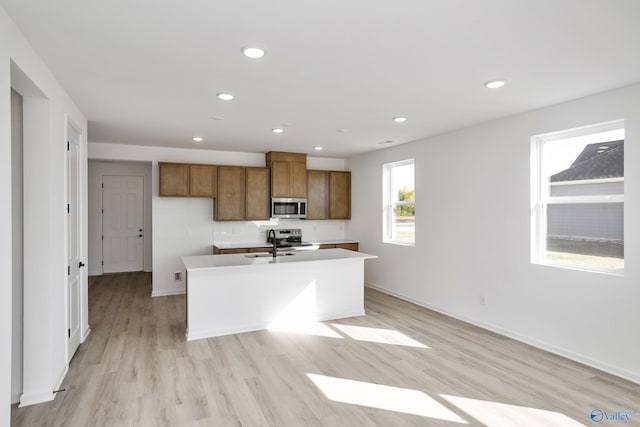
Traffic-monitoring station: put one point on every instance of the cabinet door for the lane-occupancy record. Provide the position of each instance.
(229, 203)
(279, 179)
(257, 200)
(317, 194)
(339, 195)
(297, 179)
(174, 179)
(326, 246)
(202, 181)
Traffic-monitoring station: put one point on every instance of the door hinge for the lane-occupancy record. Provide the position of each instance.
(102, 237)
(102, 210)
(101, 262)
(69, 332)
(67, 145)
(102, 185)
(68, 270)
(68, 208)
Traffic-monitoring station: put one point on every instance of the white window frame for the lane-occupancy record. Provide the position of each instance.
(389, 202)
(540, 198)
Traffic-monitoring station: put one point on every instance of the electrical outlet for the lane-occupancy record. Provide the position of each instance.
(177, 276)
(481, 300)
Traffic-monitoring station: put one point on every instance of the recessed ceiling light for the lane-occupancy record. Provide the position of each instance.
(495, 84)
(317, 148)
(343, 130)
(217, 118)
(225, 96)
(603, 147)
(386, 142)
(277, 130)
(399, 119)
(197, 139)
(253, 52)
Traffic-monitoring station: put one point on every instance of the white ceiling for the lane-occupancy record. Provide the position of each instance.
(146, 72)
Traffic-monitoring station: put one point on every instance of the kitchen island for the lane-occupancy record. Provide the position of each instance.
(228, 294)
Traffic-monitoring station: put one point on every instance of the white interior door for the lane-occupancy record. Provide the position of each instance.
(74, 262)
(122, 223)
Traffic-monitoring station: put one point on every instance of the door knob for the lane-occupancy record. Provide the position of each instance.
(81, 264)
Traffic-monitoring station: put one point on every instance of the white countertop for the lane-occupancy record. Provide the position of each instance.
(205, 262)
(240, 245)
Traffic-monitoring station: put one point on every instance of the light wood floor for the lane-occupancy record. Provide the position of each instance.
(137, 369)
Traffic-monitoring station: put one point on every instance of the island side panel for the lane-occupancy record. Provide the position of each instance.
(230, 300)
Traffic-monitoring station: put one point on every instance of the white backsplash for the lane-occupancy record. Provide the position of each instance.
(256, 231)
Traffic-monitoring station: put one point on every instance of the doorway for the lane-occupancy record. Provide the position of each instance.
(122, 223)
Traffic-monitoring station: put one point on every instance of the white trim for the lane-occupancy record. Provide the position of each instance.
(576, 357)
(389, 202)
(34, 398)
(540, 195)
(168, 292)
(581, 131)
(588, 181)
(570, 200)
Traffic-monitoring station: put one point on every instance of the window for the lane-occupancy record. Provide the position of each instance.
(578, 198)
(399, 197)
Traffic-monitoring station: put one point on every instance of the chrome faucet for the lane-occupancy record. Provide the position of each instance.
(272, 237)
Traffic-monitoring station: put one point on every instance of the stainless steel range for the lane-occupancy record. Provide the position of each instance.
(288, 238)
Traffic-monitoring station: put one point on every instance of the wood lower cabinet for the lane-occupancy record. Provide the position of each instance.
(257, 199)
(347, 246)
(339, 195)
(202, 180)
(317, 194)
(230, 200)
(174, 179)
(218, 251)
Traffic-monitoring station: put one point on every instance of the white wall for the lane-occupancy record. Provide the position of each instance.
(472, 236)
(185, 226)
(46, 107)
(97, 170)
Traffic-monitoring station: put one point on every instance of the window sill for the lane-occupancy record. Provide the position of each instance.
(389, 242)
(619, 272)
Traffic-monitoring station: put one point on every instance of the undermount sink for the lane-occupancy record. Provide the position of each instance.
(264, 255)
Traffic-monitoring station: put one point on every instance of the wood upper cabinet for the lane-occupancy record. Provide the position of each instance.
(339, 195)
(328, 195)
(317, 194)
(202, 180)
(257, 194)
(288, 174)
(230, 200)
(174, 179)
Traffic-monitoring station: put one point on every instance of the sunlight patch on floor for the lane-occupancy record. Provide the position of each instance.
(385, 397)
(300, 316)
(494, 414)
(377, 335)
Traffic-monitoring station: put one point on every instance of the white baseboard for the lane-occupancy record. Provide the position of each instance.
(580, 358)
(27, 399)
(86, 334)
(15, 398)
(168, 292)
(148, 270)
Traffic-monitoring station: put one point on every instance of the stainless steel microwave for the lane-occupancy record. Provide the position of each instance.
(288, 208)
